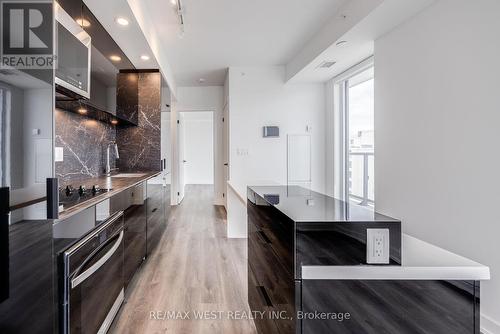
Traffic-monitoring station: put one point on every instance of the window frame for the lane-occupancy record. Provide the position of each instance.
(341, 84)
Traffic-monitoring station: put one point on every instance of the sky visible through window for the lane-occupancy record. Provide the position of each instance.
(361, 114)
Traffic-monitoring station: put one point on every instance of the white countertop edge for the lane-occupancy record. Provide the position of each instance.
(420, 261)
(366, 272)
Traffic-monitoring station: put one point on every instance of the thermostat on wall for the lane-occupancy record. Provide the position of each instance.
(271, 131)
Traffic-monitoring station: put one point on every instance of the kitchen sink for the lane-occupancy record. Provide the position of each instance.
(129, 175)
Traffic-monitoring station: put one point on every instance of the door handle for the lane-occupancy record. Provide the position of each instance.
(226, 164)
(184, 161)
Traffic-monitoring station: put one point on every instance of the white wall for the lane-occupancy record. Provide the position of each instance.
(258, 97)
(437, 118)
(202, 98)
(198, 147)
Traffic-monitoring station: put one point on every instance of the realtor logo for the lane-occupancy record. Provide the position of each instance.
(27, 35)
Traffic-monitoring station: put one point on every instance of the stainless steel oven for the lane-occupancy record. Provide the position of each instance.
(73, 47)
(93, 279)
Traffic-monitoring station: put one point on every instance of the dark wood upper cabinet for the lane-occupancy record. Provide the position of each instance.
(127, 96)
(72, 7)
(107, 60)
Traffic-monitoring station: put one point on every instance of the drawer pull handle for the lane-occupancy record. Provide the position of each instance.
(265, 295)
(264, 236)
(99, 263)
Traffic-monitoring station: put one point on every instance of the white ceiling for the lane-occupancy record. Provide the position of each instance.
(129, 38)
(360, 39)
(223, 33)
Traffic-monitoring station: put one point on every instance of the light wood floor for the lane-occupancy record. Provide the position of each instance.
(195, 268)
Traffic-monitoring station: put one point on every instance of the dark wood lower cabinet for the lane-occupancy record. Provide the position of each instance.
(390, 306)
(271, 282)
(285, 303)
(158, 209)
(134, 240)
(146, 208)
(29, 306)
(131, 202)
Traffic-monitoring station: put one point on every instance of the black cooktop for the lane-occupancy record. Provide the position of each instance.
(71, 196)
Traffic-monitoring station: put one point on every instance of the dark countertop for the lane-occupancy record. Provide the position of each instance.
(302, 205)
(116, 184)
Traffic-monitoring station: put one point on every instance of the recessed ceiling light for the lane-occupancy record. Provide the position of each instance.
(83, 22)
(145, 57)
(115, 58)
(122, 21)
(201, 80)
(114, 122)
(341, 43)
(173, 2)
(82, 111)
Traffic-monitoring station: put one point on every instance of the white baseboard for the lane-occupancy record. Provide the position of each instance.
(489, 326)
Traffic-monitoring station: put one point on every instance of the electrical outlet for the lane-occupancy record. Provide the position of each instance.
(377, 246)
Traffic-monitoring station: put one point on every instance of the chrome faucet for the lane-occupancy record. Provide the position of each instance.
(117, 156)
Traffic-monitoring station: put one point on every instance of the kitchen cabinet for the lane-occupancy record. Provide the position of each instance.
(271, 283)
(26, 146)
(158, 210)
(286, 232)
(307, 266)
(107, 103)
(131, 202)
(391, 306)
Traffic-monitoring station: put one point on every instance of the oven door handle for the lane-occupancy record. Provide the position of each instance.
(99, 263)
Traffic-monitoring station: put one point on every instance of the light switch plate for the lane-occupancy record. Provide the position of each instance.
(59, 154)
(377, 246)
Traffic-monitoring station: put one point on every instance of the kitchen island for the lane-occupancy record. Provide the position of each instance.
(308, 271)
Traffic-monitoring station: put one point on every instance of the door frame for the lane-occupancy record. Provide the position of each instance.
(176, 119)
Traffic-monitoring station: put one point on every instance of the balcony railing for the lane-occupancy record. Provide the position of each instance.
(361, 170)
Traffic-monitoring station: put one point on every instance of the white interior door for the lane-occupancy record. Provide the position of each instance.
(182, 156)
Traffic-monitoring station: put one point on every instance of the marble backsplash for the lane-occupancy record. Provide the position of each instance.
(84, 142)
(140, 146)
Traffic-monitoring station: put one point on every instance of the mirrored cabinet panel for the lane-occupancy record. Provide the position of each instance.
(26, 136)
(26, 162)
